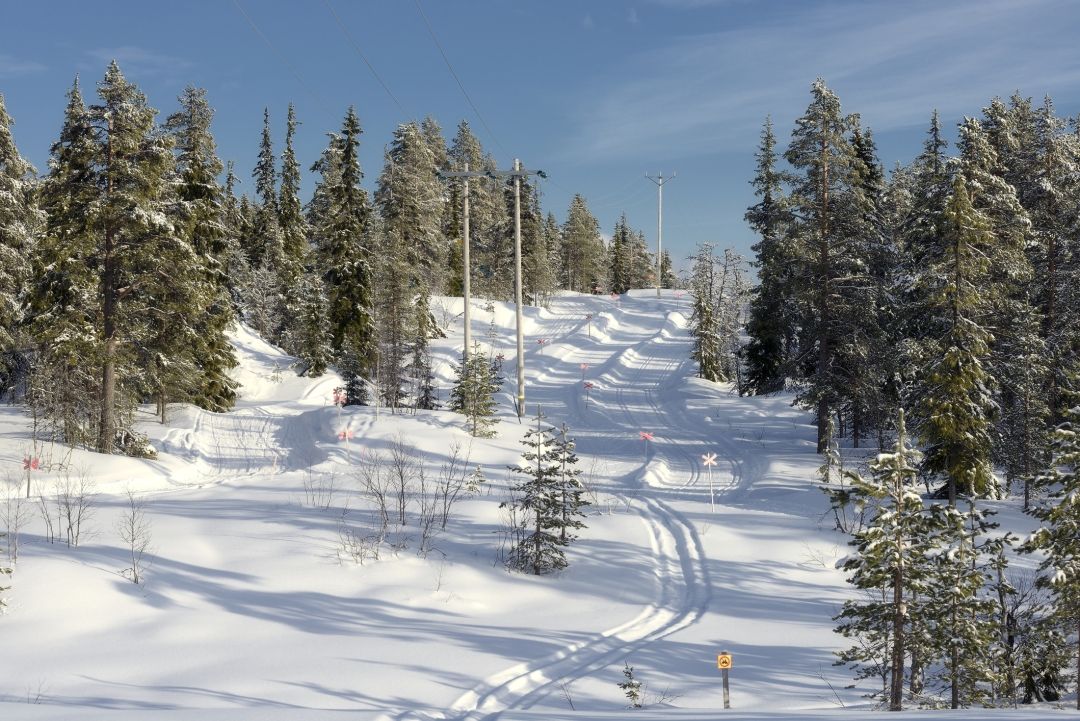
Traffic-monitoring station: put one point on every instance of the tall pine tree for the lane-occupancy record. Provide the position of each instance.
(342, 220)
(201, 223)
(771, 325)
(20, 220)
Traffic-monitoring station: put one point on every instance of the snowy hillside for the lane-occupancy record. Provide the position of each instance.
(252, 606)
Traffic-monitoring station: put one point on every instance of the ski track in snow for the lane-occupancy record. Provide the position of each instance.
(681, 575)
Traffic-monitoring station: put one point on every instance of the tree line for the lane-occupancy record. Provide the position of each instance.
(933, 310)
(124, 266)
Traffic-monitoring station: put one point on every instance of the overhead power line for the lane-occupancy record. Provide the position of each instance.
(363, 57)
(431, 31)
(281, 55)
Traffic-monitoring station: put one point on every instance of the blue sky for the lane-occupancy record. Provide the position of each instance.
(595, 93)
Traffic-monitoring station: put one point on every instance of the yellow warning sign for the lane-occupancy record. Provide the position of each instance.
(723, 660)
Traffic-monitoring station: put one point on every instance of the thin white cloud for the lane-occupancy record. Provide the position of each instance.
(632, 16)
(695, 3)
(892, 64)
(140, 61)
(587, 22)
(11, 67)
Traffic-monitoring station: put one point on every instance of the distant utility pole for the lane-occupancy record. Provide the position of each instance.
(517, 174)
(517, 295)
(659, 180)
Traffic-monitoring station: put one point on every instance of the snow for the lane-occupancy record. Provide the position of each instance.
(248, 610)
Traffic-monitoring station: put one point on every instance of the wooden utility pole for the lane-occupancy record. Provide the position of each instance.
(467, 274)
(517, 174)
(517, 291)
(659, 180)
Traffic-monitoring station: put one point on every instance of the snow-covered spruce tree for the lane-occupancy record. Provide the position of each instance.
(1030, 357)
(890, 277)
(111, 256)
(955, 408)
(1058, 537)
(630, 265)
(889, 563)
(491, 255)
(424, 392)
(412, 252)
(822, 191)
(533, 244)
(264, 246)
(730, 303)
(541, 549)
(553, 241)
(235, 220)
(63, 299)
(147, 270)
(309, 336)
(1020, 438)
(621, 260)
(583, 262)
(473, 394)
(571, 493)
(395, 321)
(773, 315)
(340, 214)
(427, 394)
(20, 220)
(201, 222)
(261, 298)
(715, 322)
(294, 238)
(328, 168)
(704, 323)
(958, 614)
(643, 263)
(668, 279)
(1053, 204)
(1019, 390)
(868, 274)
(920, 228)
(410, 198)
(537, 272)
(632, 687)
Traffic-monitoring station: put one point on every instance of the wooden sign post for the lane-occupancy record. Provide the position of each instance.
(723, 662)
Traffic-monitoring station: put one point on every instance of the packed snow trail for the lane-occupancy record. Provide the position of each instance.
(635, 366)
(682, 587)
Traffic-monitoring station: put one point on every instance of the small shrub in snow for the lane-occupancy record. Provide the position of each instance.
(4, 571)
(75, 506)
(134, 529)
(319, 490)
(15, 513)
(407, 504)
(357, 546)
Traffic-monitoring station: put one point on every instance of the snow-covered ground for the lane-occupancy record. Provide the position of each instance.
(249, 610)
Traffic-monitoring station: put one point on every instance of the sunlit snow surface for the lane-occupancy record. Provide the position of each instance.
(247, 612)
